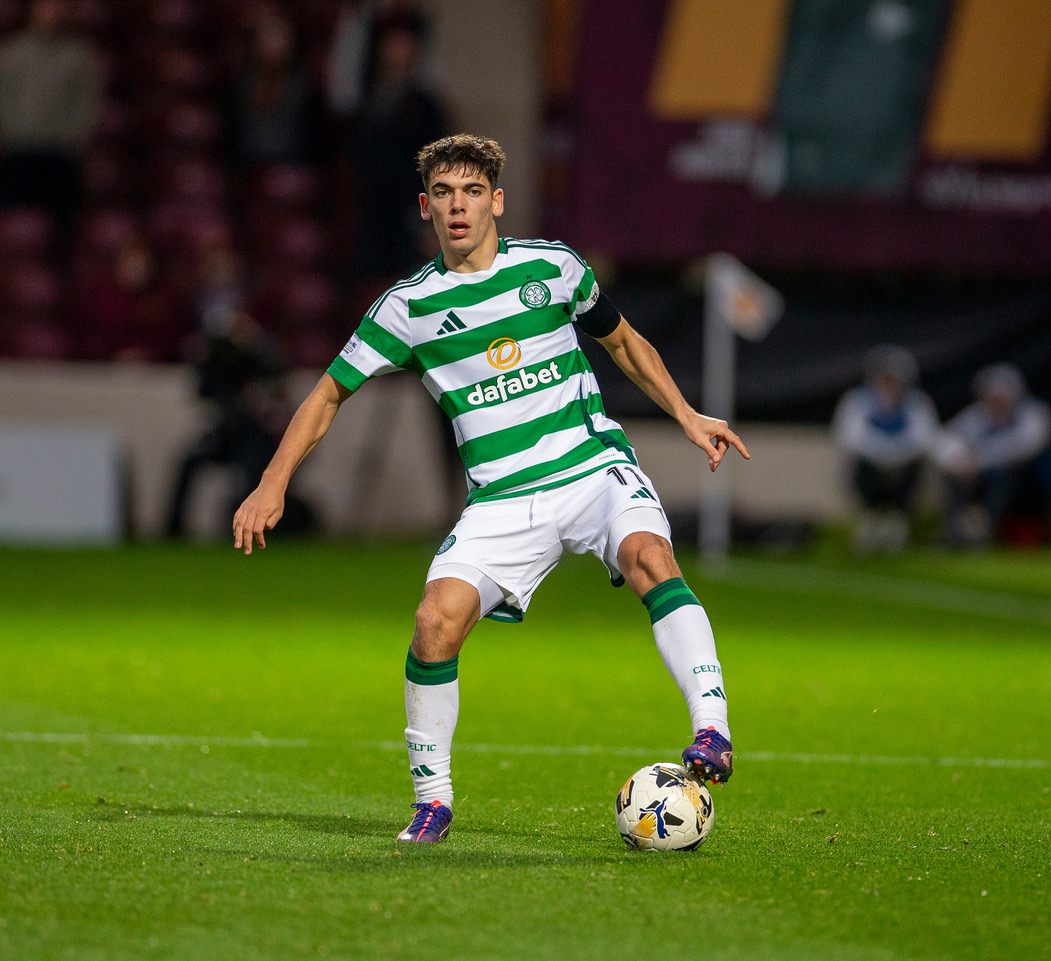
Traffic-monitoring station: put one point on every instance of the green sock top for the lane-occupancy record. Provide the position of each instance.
(668, 596)
(430, 672)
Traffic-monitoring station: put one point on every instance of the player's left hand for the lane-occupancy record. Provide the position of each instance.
(715, 438)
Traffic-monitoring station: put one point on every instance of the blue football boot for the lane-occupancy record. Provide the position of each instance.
(710, 757)
(430, 825)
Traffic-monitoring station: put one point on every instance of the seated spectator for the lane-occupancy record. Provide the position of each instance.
(887, 426)
(124, 312)
(995, 458)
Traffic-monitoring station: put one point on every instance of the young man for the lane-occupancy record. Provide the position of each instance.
(489, 326)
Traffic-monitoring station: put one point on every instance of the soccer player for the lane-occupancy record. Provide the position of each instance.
(490, 327)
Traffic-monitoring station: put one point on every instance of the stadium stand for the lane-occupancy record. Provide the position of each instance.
(159, 167)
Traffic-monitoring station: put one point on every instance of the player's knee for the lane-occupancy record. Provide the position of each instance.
(440, 629)
(646, 560)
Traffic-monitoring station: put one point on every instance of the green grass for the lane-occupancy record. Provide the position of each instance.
(222, 775)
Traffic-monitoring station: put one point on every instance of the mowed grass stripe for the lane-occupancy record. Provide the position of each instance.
(881, 587)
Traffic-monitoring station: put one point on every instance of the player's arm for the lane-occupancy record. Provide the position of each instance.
(638, 359)
(263, 508)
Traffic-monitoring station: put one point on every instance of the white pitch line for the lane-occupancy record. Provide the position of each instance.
(150, 740)
(859, 759)
(551, 750)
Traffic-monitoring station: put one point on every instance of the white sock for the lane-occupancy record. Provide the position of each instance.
(687, 647)
(432, 704)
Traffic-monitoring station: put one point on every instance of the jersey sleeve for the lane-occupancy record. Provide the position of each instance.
(589, 307)
(581, 284)
(381, 343)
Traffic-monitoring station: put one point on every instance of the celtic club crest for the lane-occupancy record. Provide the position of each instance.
(535, 294)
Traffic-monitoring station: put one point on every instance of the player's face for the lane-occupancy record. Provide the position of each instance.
(463, 208)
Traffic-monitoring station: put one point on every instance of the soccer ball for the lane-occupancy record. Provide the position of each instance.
(661, 809)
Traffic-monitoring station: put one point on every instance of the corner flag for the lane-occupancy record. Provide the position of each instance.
(736, 302)
(748, 304)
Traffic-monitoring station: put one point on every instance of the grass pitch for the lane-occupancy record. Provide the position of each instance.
(200, 757)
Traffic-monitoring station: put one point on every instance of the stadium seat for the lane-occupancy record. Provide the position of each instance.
(183, 71)
(174, 223)
(298, 242)
(92, 17)
(33, 290)
(25, 232)
(310, 349)
(117, 124)
(196, 180)
(103, 231)
(288, 187)
(173, 17)
(309, 301)
(109, 177)
(35, 339)
(193, 125)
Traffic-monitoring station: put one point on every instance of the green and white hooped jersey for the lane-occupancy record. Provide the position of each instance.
(498, 351)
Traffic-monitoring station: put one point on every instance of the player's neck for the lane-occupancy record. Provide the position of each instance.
(471, 261)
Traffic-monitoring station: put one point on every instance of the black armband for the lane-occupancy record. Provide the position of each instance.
(601, 319)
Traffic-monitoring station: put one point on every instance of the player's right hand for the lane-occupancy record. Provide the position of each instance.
(261, 510)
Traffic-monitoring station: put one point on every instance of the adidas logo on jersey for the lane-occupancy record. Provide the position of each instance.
(504, 386)
(452, 325)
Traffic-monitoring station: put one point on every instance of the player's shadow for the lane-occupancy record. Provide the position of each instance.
(337, 824)
(371, 838)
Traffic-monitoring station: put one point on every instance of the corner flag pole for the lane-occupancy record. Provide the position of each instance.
(719, 391)
(736, 302)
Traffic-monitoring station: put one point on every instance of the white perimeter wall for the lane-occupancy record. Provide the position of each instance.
(154, 415)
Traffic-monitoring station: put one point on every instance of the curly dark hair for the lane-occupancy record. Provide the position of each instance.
(462, 152)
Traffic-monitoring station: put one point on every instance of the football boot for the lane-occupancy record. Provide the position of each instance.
(430, 825)
(710, 757)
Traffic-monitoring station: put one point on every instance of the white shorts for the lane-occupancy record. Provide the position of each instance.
(505, 548)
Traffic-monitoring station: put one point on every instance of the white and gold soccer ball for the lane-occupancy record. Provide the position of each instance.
(661, 809)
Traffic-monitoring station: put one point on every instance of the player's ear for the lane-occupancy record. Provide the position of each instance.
(425, 207)
(498, 201)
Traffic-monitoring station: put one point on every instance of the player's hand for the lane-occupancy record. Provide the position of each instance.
(715, 438)
(261, 510)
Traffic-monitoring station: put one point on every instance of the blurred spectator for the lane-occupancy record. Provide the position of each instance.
(352, 61)
(241, 377)
(50, 103)
(124, 312)
(888, 427)
(995, 458)
(220, 287)
(275, 114)
(395, 115)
